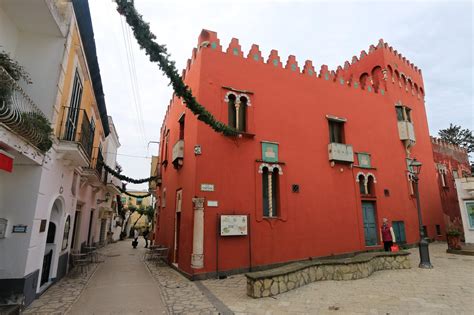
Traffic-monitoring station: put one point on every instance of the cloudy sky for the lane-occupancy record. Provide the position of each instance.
(437, 36)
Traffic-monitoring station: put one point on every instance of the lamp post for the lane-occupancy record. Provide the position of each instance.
(415, 168)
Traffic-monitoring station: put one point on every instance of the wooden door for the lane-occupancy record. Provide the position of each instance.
(370, 225)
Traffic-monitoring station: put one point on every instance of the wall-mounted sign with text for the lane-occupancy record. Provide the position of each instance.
(207, 187)
(233, 225)
(19, 229)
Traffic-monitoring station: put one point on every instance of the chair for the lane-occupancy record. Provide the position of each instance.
(80, 262)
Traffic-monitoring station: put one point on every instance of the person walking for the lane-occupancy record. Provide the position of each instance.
(145, 236)
(136, 234)
(387, 235)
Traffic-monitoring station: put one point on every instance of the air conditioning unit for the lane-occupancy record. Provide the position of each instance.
(341, 152)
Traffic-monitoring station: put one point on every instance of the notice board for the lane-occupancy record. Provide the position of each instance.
(233, 225)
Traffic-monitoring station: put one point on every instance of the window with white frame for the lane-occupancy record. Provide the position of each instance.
(442, 170)
(270, 190)
(237, 110)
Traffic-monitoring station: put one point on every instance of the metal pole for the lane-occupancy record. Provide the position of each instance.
(423, 245)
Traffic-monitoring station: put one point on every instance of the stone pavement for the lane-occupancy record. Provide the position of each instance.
(121, 285)
(446, 289)
(60, 296)
(181, 295)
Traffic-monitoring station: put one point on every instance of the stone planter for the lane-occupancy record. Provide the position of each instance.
(454, 242)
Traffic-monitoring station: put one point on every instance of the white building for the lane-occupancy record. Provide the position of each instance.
(52, 200)
(465, 190)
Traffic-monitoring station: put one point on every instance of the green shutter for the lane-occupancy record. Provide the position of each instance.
(231, 113)
(242, 116)
(275, 192)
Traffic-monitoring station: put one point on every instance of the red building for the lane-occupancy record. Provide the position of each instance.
(451, 162)
(321, 158)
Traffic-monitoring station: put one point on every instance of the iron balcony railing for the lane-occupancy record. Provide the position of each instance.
(76, 127)
(19, 113)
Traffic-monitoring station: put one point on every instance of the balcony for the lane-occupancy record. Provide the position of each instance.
(340, 152)
(20, 114)
(76, 137)
(95, 174)
(178, 154)
(406, 131)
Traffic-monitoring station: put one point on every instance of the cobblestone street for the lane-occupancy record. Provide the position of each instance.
(446, 289)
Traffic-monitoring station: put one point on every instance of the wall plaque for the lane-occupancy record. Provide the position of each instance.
(233, 225)
(269, 152)
(19, 228)
(207, 187)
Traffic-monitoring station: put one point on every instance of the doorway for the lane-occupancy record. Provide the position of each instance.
(76, 228)
(51, 250)
(370, 224)
(177, 225)
(91, 219)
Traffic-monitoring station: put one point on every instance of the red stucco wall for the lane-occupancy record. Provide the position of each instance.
(290, 107)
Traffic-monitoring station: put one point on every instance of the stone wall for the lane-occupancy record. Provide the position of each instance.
(292, 276)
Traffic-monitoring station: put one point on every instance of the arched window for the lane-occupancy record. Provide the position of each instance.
(270, 192)
(370, 185)
(363, 80)
(377, 77)
(237, 112)
(362, 184)
(232, 113)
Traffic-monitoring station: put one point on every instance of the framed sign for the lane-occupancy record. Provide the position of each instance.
(234, 225)
(207, 187)
(269, 152)
(19, 228)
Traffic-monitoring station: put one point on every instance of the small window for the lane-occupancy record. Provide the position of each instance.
(237, 112)
(370, 185)
(438, 229)
(470, 213)
(386, 192)
(362, 184)
(403, 113)
(270, 192)
(336, 131)
(455, 174)
(181, 128)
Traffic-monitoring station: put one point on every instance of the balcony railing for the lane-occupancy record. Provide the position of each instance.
(76, 127)
(19, 113)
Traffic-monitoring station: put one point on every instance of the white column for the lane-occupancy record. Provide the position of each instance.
(197, 258)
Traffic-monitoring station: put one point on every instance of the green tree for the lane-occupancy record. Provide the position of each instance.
(461, 137)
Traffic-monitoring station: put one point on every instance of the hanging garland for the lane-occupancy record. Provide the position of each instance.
(123, 191)
(158, 53)
(125, 178)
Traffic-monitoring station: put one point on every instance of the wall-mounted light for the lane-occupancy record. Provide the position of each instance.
(107, 196)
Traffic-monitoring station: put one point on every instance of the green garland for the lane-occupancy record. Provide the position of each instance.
(125, 178)
(158, 53)
(123, 191)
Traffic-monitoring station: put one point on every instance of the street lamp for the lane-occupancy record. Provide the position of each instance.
(415, 168)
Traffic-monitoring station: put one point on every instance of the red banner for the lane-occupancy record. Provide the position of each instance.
(6, 161)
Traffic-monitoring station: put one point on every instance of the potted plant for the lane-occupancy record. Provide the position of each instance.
(454, 238)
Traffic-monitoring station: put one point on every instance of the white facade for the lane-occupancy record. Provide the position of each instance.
(465, 190)
(46, 192)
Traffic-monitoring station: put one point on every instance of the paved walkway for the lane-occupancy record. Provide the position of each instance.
(121, 285)
(446, 289)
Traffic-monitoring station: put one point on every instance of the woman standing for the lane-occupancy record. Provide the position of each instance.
(387, 235)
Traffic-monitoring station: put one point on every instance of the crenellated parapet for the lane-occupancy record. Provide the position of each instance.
(447, 145)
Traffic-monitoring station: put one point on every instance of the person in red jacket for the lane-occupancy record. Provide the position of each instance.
(387, 235)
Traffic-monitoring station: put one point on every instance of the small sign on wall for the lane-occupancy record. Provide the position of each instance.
(19, 228)
(212, 203)
(207, 187)
(43, 225)
(269, 152)
(233, 225)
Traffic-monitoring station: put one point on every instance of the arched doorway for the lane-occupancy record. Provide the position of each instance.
(53, 238)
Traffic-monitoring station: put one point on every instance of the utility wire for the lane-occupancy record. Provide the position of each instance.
(131, 77)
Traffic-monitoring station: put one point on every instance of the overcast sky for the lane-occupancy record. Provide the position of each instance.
(437, 36)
